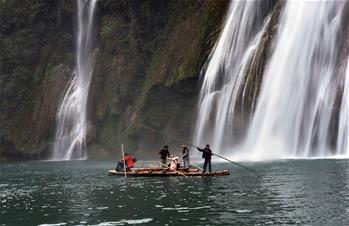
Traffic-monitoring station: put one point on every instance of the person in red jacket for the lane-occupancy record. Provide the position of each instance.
(129, 160)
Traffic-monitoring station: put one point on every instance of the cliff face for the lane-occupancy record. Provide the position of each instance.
(149, 56)
(149, 62)
(37, 51)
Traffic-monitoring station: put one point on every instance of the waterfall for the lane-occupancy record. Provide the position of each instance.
(224, 77)
(343, 132)
(70, 140)
(295, 105)
(295, 110)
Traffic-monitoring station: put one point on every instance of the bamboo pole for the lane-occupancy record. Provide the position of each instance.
(197, 166)
(123, 157)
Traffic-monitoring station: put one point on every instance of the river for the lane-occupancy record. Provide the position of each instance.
(287, 192)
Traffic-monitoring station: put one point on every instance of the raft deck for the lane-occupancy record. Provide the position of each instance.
(163, 172)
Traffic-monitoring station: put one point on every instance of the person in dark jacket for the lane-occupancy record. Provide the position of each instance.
(206, 154)
(164, 154)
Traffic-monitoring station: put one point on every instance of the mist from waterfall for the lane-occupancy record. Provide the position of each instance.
(70, 140)
(295, 112)
(224, 77)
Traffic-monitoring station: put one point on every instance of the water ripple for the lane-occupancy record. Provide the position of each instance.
(79, 193)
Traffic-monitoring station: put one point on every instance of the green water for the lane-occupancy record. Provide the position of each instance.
(305, 192)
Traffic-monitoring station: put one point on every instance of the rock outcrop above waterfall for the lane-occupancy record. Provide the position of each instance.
(149, 57)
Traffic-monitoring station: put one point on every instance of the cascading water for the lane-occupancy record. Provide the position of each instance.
(224, 76)
(343, 132)
(70, 141)
(295, 108)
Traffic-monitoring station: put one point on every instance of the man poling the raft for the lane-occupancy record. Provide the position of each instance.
(235, 163)
(206, 154)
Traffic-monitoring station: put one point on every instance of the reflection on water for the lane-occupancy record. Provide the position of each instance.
(312, 192)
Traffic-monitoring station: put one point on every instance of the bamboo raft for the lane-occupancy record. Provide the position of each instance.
(163, 172)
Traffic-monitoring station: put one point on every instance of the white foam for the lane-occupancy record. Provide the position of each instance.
(243, 211)
(58, 224)
(123, 222)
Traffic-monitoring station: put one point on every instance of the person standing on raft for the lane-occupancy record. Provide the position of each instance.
(164, 154)
(206, 154)
(185, 156)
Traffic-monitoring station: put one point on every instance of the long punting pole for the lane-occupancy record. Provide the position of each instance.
(197, 166)
(123, 157)
(251, 170)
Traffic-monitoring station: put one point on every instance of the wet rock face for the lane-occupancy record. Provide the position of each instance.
(248, 94)
(149, 57)
(36, 44)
